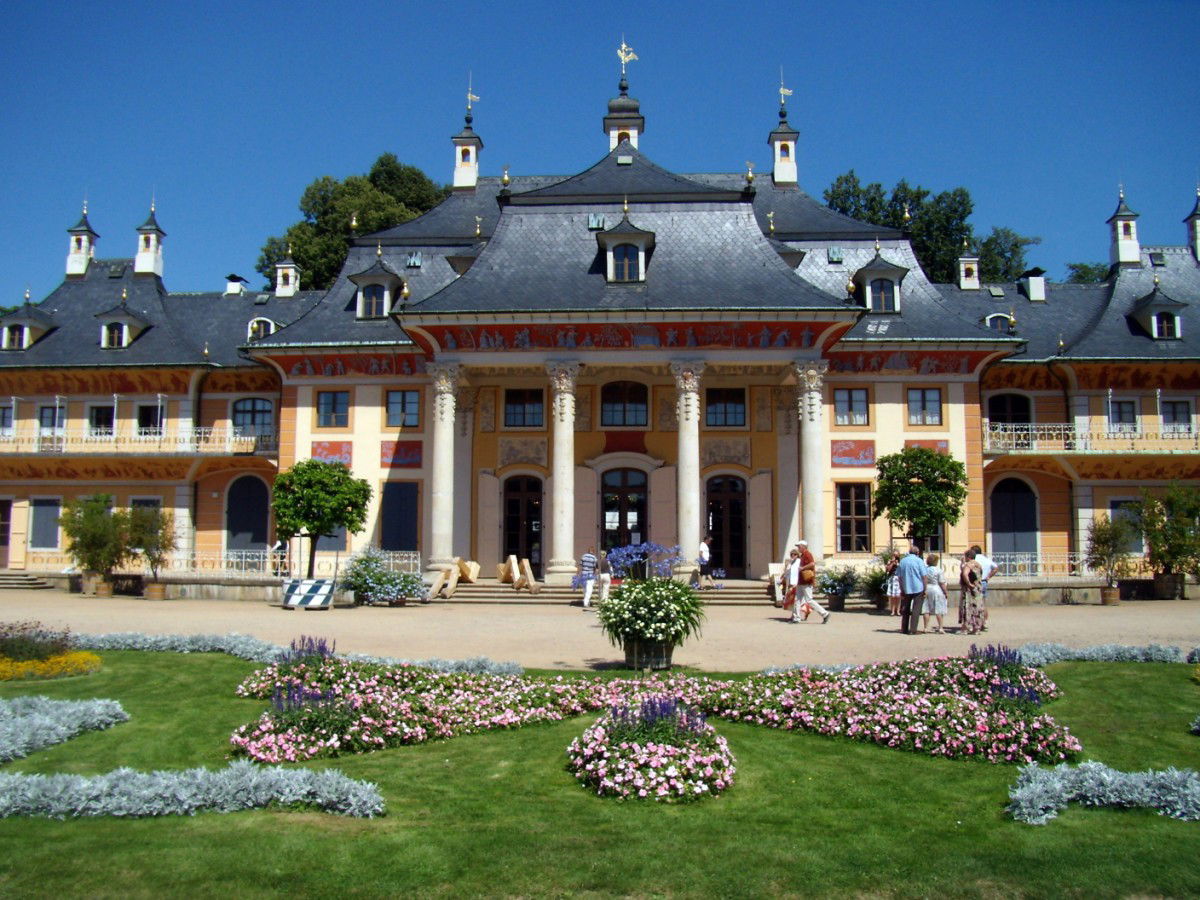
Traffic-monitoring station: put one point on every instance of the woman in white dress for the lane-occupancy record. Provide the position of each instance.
(935, 592)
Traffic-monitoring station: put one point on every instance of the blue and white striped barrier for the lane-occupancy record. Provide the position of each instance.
(305, 594)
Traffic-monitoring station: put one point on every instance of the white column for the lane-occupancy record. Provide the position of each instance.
(687, 480)
(563, 375)
(441, 500)
(810, 374)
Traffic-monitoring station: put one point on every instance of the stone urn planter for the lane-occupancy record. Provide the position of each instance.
(644, 654)
(154, 590)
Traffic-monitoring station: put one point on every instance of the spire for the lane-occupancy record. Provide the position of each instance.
(82, 248)
(149, 259)
(467, 145)
(624, 121)
(1124, 249)
(783, 140)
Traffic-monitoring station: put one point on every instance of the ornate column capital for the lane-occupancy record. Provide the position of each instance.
(687, 374)
(563, 374)
(810, 373)
(446, 376)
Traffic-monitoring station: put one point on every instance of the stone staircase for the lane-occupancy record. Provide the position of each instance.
(22, 581)
(489, 590)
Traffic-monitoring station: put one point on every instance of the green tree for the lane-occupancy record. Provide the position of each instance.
(1087, 273)
(920, 489)
(153, 530)
(99, 538)
(392, 193)
(1170, 524)
(314, 498)
(936, 223)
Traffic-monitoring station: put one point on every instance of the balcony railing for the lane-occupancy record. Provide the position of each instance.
(136, 441)
(236, 564)
(1058, 565)
(1063, 438)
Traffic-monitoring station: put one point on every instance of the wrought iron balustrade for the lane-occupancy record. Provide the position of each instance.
(1063, 437)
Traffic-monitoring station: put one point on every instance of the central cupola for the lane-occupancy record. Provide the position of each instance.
(624, 121)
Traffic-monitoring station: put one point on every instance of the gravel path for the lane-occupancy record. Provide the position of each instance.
(566, 637)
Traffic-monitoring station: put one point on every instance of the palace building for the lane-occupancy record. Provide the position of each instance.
(545, 363)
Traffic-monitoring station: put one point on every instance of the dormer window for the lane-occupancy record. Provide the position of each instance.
(260, 328)
(998, 322)
(14, 337)
(878, 284)
(113, 335)
(625, 263)
(883, 295)
(374, 302)
(1166, 325)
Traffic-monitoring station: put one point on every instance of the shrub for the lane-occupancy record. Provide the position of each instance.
(20, 641)
(1040, 793)
(874, 583)
(837, 581)
(28, 724)
(99, 538)
(1044, 654)
(369, 575)
(65, 665)
(654, 609)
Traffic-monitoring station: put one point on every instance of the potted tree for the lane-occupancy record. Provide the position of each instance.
(154, 533)
(649, 617)
(1107, 553)
(1169, 525)
(98, 538)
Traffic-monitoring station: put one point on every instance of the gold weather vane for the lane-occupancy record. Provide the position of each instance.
(783, 92)
(478, 222)
(471, 98)
(771, 221)
(625, 54)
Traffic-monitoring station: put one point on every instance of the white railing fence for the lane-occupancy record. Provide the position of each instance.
(1058, 565)
(136, 440)
(1054, 437)
(236, 563)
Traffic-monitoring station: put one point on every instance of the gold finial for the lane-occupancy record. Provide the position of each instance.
(353, 220)
(1062, 345)
(850, 287)
(625, 205)
(625, 54)
(964, 245)
(1012, 319)
(1156, 279)
(749, 172)
(404, 291)
(1120, 190)
(379, 250)
(907, 214)
(876, 245)
(206, 349)
(504, 177)
(289, 249)
(85, 199)
(124, 295)
(771, 221)
(471, 98)
(26, 295)
(478, 222)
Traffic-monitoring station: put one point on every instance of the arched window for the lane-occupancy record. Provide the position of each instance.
(623, 403)
(785, 150)
(285, 278)
(622, 136)
(466, 154)
(1127, 229)
(260, 328)
(373, 302)
(998, 322)
(78, 243)
(883, 295)
(625, 263)
(146, 241)
(253, 416)
(114, 334)
(1166, 325)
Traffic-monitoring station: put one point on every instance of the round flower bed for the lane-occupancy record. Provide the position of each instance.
(660, 750)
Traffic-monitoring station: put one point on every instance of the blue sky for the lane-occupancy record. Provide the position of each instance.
(225, 111)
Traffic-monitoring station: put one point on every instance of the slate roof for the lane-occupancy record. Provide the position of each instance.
(178, 325)
(453, 220)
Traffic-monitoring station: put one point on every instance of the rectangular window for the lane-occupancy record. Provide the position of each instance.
(333, 409)
(404, 409)
(50, 419)
(725, 408)
(43, 526)
(1122, 416)
(854, 518)
(6, 421)
(1127, 510)
(150, 421)
(145, 503)
(924, 406)
(1176, 417)
(523, 408)
(100, 421)
(850, 406)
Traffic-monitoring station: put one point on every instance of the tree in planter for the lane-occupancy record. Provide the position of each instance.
(920, 489)
(153, 530)
(1108, 547)
(314, 498)
(99, 538)
(1170, 525)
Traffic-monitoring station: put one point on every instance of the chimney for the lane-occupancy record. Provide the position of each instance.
(1033, 285)
(234, 284)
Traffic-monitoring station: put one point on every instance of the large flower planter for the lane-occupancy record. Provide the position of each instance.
(1110, 596)
(643, 654)
(104, 589)
(155, 591)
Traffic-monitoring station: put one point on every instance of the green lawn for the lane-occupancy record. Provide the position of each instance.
(498, 814)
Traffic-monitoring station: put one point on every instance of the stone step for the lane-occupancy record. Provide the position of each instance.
(735, 593)
(22, 581)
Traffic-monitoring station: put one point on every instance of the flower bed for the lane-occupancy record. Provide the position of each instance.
(65, 665)
(658, 750)
(985, 708)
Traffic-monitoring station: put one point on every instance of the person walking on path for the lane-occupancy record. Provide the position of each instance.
(587, 569)
(935, 593)
(893, 584)
(604, 576)
(912, 589)
(987, 569)
(804, 569)
(705, 560)
(970, 606)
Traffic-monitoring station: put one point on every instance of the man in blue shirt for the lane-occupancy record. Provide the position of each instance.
(912, 589)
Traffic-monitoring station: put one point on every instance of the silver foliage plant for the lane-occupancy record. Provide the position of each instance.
(1040, 793)
(131, 794)
(1044, 654)
(28, 724)
(251, 648)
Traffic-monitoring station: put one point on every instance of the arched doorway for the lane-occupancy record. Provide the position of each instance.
(246, 514)
(623, 506)
(725, 520)
(1015, 520)
(522, 520)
